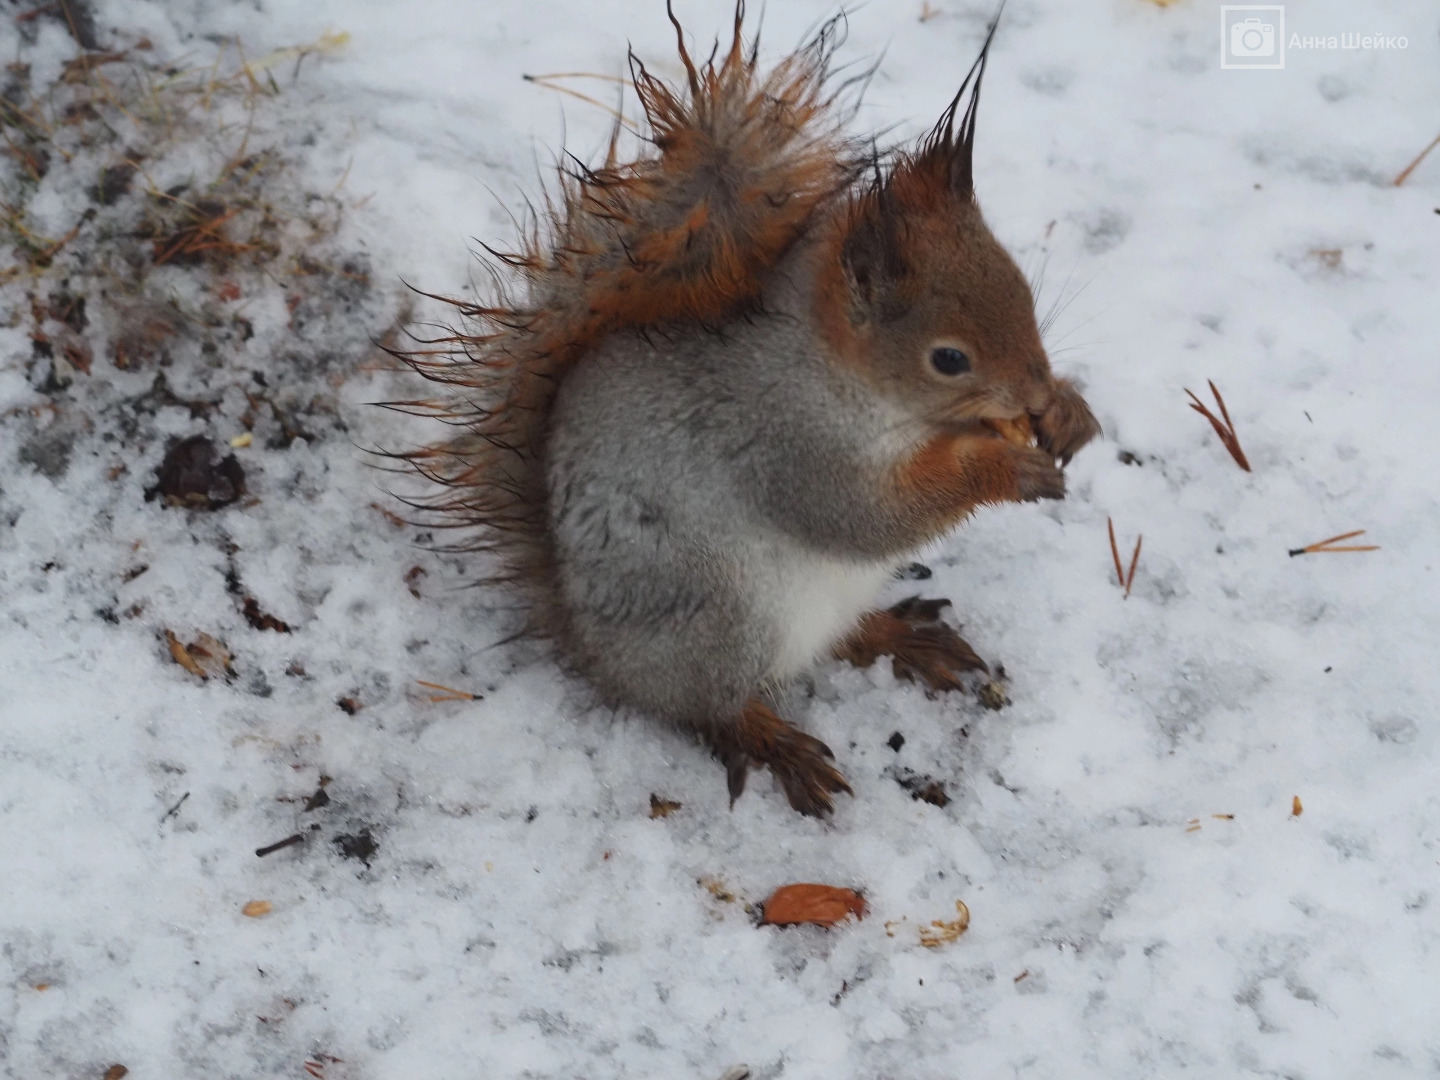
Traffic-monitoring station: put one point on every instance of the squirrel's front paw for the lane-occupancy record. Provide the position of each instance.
(1036, 474)
(921, 647)
(1067, 423)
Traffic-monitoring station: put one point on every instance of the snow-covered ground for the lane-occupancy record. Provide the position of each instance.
(1147, 900)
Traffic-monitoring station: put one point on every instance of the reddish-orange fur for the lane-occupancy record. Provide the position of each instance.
(749, 172)
(656, 240)
(951, 475)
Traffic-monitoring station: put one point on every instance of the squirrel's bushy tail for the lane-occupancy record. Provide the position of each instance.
(738, 162)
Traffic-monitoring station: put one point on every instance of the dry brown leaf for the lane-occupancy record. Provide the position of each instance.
(181, 655)
(211, 655)
(662, 807)
(116, 1072)
(257, 909)
(1296, 809)
(823, 905)
(205, 656)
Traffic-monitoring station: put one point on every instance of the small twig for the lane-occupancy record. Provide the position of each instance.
(1225, 429)
(448, 693)
(1405, 172)
(289, 841)
(1333, 544)
(176, 808)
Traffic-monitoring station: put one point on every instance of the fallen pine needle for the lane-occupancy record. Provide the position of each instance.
(1225, 430)
(390, 516)
(448, 693)
(50, 252)
(576, 75)
(1123, 579)
(1405, 172)
(540, 80)
(1333, 544)
(1115, 551)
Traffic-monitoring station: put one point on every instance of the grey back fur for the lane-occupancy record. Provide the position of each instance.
(687, 468)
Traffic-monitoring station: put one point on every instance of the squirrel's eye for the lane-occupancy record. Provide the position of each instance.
(948, 361)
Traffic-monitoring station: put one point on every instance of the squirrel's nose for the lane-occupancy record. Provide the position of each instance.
(1041, 391)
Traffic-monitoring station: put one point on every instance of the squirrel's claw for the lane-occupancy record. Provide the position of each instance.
(936, 656)
(1036, 475)
(921, 648)
(801, 762)
(1067, 423)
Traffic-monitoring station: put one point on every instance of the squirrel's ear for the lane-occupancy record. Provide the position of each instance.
(948, 150)
(873, 255)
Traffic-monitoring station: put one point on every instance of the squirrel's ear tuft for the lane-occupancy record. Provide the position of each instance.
(947, 153)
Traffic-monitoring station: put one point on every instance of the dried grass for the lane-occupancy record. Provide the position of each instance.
(111, 125)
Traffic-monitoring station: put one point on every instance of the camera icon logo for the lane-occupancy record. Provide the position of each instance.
(1252, 36)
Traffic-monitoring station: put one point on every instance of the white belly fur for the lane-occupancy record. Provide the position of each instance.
(817, 602)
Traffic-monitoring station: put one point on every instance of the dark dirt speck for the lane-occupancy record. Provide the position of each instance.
(359, 845)
(190, 476)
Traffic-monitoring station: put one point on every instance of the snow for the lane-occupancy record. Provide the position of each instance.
(523, 915)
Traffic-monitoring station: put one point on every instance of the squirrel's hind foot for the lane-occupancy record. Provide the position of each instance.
(801, 762)
(921, 647)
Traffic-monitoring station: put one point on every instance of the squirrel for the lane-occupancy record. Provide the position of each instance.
(742, 380)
